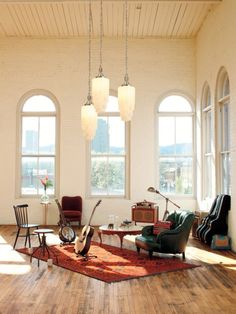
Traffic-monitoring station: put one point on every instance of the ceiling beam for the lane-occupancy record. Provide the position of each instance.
(114, 1)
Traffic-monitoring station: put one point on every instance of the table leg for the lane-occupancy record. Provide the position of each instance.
(121, 236)
(45, 214)
(100, 236)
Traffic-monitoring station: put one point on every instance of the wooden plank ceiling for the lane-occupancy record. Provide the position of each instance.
(66, 19)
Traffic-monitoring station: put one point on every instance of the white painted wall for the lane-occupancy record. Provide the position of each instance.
(216, 47)
(60, 66)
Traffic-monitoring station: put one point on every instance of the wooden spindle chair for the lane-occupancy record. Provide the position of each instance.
(21, 213)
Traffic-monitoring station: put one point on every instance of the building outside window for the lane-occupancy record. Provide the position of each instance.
(223, 91)
(207, 138)
(109, 158)
(37, 145)
(175, 146)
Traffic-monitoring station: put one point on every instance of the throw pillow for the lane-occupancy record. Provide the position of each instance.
(159, 226)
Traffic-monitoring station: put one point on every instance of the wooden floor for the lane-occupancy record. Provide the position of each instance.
(25, 288)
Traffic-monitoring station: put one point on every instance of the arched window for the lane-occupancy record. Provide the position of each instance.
(175, 146)
(207, 139)
(109, 154)
(223, 100)
(37, 144)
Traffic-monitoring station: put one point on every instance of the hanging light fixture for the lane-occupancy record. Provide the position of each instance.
(126, 92)
(88, 112)
(100, 84)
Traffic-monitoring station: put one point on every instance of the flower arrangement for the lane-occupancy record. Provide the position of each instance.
(46, 183)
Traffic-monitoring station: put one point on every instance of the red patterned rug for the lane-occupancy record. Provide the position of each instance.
(112, 263)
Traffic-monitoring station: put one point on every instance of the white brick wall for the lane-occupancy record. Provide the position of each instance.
(216, 46)
(61, 67)
(155, 67)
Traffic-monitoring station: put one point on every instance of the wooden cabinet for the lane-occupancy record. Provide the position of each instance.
(147, 214)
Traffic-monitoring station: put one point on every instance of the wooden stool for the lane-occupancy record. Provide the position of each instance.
(43, 247)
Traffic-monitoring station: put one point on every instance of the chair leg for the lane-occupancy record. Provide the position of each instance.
(150, 254)
(138, 249)
(183, 254)
(28, 236)
(17, 235)
(39, 238)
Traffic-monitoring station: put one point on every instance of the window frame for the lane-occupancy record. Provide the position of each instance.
(126, 159)
(19, 155)
(222, 100)
(207, 137)
(177, 114)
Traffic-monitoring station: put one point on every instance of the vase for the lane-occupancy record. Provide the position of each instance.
(45, 197)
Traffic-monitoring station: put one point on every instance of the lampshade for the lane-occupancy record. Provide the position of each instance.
(88, 121)
(100, 92)
(126, 100)
(152, 189)
(100, 84)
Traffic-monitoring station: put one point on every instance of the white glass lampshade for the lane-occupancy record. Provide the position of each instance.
(100, 92)
(126, 101)
(88, 121)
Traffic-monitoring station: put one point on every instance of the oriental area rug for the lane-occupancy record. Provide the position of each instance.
(112, 264)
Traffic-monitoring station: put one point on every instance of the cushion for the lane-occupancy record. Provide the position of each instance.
(160, 225)
(72, 213)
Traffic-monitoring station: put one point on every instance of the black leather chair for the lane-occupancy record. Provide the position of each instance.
(172, 241)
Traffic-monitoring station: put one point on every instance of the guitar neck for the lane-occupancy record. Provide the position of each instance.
(90, 219)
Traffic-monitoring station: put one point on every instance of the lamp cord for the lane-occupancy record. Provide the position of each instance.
(126, 45)
(101, 38)
(89, 61)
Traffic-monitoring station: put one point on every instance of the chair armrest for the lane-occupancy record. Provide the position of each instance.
(168, 233)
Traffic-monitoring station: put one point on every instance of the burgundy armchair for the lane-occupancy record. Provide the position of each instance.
(72, 208)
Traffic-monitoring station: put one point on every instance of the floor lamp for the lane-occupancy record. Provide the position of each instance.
(153, 190)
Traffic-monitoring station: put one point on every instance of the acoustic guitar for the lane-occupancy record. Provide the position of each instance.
(82, 244)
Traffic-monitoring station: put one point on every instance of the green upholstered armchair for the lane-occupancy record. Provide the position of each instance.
(172, 241)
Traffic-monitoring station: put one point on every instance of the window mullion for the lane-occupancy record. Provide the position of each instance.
(108, 139)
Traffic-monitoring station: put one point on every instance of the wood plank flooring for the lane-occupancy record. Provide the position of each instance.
(25, 288)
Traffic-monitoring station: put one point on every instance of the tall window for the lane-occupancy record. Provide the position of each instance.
(223, 92)
(175, 135)
(37, 144)
(109, 154)
(207, 136)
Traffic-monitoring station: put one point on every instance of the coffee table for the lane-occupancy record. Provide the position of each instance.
(120, 231)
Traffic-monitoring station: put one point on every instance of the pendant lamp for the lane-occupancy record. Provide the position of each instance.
(100, 84)
(126, 92)
(88, 112)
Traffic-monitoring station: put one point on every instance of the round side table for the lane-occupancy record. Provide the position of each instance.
(43, 247)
